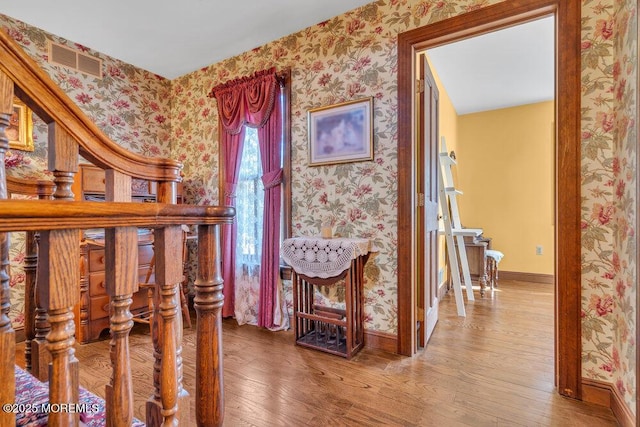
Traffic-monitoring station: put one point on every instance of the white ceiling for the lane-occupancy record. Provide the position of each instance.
(510, 67)
(171, 38)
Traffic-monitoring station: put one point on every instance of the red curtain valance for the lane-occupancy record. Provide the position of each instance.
(246, 100)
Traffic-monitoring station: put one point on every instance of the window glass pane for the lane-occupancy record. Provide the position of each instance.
(249, 201)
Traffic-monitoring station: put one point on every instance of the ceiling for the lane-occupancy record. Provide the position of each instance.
(505, 68)
(172, 38)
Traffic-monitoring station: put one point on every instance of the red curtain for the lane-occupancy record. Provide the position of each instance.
(232, 155)
(269, 137)
(252, 101)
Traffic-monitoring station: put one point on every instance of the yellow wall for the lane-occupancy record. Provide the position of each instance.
(505, 169)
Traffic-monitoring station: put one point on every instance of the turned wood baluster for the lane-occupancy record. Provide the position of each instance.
(121, 275)
(83, 322)
(30, 263)
(45, 191)
(40, 356)
(168, 251)
(166, 194)
(59, 252)
(121, 281)
(63, 161)
(154, 405)
(7, 334)
(208, 305)
(63, 289)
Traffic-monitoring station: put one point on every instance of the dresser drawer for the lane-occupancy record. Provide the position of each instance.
(93, 180)
(97, 286)
(145, 254)
(97, 260)
(100, 305)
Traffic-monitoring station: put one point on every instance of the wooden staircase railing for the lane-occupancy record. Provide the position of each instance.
(59, 223)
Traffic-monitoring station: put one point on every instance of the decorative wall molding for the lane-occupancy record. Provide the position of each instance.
(525, 277)
(606, 394)
(381, 341)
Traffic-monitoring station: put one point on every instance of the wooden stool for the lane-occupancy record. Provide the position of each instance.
(493, 259)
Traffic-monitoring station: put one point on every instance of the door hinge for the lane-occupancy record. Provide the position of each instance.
(419, 85)
(420, 199)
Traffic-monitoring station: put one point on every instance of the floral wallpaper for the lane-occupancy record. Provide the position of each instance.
(609, 144)
(353, 56)
(349, 57)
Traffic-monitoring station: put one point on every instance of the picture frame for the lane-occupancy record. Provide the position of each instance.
(341, 133)
(20, 129)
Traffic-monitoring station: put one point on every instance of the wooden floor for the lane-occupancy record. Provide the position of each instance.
(492, 368)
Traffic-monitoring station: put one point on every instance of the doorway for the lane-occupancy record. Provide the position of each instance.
(495, 108)
(567, 220)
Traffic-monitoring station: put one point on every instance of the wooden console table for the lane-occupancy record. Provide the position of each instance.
(476, 248)
(328, 262)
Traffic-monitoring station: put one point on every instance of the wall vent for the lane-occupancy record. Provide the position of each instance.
(76, 60)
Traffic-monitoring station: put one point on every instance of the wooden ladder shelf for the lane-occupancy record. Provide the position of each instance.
(453, 229)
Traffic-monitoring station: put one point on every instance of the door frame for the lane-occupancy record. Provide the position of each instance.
(568, 341)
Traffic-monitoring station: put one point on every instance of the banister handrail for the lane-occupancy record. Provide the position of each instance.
(34, 215)
(34, 87)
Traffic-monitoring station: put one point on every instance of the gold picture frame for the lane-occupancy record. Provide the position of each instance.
(341, 133)
(20, 129)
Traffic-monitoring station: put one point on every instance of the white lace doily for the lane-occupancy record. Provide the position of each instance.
(497, 255)
(316, 257)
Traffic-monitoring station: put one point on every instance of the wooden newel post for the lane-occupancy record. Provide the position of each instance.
(208, 303)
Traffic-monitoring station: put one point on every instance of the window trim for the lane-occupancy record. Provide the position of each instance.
(287, 227)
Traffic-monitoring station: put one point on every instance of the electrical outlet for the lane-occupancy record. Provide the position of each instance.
(539, 250)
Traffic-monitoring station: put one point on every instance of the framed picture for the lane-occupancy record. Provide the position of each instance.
(341, 133)
(20, 129)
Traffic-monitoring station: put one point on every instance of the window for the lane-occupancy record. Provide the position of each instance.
(249, 192)
(249, 202)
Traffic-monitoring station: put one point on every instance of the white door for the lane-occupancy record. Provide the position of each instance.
(427, 209)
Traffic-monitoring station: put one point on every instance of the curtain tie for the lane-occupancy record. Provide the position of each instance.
(230, 190)
(272, 179)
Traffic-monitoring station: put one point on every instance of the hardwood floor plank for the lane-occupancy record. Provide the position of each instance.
(493, 368)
